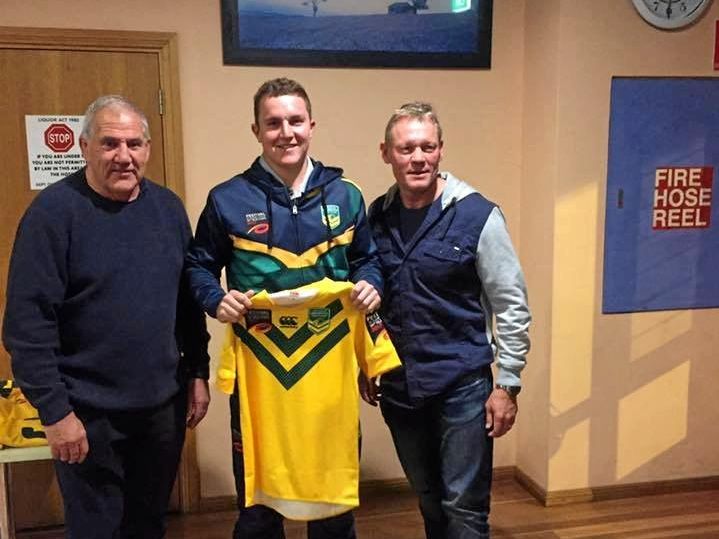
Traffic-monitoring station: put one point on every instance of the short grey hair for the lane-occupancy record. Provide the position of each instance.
(418, 110)
(112, 102)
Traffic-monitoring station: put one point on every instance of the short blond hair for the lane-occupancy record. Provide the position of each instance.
(417, 110)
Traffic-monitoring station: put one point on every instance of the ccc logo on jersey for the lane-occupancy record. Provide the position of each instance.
(288, 321)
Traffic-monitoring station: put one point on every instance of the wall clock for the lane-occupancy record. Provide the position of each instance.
(670, 14)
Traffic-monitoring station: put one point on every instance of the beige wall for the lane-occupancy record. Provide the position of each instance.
(621, 398)
(608, 399)
(539, 171)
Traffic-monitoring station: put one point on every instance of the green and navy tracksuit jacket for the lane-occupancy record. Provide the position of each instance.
(267, 240)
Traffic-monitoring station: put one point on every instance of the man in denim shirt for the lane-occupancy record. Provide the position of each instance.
(450, 271)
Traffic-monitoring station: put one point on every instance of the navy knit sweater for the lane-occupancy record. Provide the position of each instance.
(97, 315)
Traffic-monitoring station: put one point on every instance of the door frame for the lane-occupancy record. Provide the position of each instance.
(164, 46)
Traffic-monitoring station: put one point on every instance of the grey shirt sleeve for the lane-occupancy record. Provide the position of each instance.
(504, 297)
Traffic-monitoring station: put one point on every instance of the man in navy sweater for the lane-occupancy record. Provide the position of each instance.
(104, 339)
(450, 273)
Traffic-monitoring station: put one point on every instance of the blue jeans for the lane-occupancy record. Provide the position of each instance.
(446, 453)
(262, 522)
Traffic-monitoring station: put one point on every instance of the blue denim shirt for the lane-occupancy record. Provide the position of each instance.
(444, 287)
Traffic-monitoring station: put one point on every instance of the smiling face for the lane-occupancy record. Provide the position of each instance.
(414, 151)
(116, 152)
(284, 129)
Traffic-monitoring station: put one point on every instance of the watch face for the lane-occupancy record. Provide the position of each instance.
(670, 13)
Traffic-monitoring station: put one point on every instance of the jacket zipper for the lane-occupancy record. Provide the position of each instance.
(295, 219)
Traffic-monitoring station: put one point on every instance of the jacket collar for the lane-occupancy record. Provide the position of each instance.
(454, 189)
(296, 193)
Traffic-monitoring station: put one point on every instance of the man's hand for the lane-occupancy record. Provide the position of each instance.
(67, 439)
(234, 306)
(368, 389)
(501, 410)
(198, 401)
(365, 297)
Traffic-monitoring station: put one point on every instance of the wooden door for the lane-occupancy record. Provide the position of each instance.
(59, 72)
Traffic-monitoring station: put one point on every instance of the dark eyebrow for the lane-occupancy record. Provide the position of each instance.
(293, 118)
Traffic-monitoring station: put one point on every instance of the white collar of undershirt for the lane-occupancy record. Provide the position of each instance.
(297, 192)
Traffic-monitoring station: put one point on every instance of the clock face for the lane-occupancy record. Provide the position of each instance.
(670, 13)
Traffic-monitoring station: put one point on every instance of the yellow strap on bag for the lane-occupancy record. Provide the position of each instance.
(19, 421)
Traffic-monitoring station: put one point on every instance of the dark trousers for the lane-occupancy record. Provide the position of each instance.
(261, 522)
(446, 453)
(122, 488)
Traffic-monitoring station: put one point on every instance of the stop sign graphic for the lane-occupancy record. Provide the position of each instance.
(59, 138)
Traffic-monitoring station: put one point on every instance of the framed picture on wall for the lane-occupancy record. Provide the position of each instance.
(357, 33)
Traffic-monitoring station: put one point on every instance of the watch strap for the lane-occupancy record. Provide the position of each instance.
(512, 390)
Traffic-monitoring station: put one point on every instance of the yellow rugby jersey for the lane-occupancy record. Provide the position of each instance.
(295, 359)
(19, 422)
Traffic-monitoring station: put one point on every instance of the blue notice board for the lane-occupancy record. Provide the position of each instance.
(661, 247)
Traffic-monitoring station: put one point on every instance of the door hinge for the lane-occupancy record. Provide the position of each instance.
(161, 101)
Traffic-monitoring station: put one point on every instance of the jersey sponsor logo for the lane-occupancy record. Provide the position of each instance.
(374, 323)
(259, 320)
(259, 228)
(288, 321)
(375, 326)
(257, 223)
(318, 320)
(257, 217)
(331, 215)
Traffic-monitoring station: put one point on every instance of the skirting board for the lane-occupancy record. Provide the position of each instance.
(557, 497)
(614, 492)
(367, 488)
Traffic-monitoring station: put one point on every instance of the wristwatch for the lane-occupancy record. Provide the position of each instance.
(513, 391)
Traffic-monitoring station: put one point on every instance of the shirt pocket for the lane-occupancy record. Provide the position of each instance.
(446, 252)
(442, 263)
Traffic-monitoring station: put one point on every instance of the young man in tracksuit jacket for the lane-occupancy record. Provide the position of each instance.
(449, 267)
(285, 222)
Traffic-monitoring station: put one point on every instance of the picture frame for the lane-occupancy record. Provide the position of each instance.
(351, 33)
